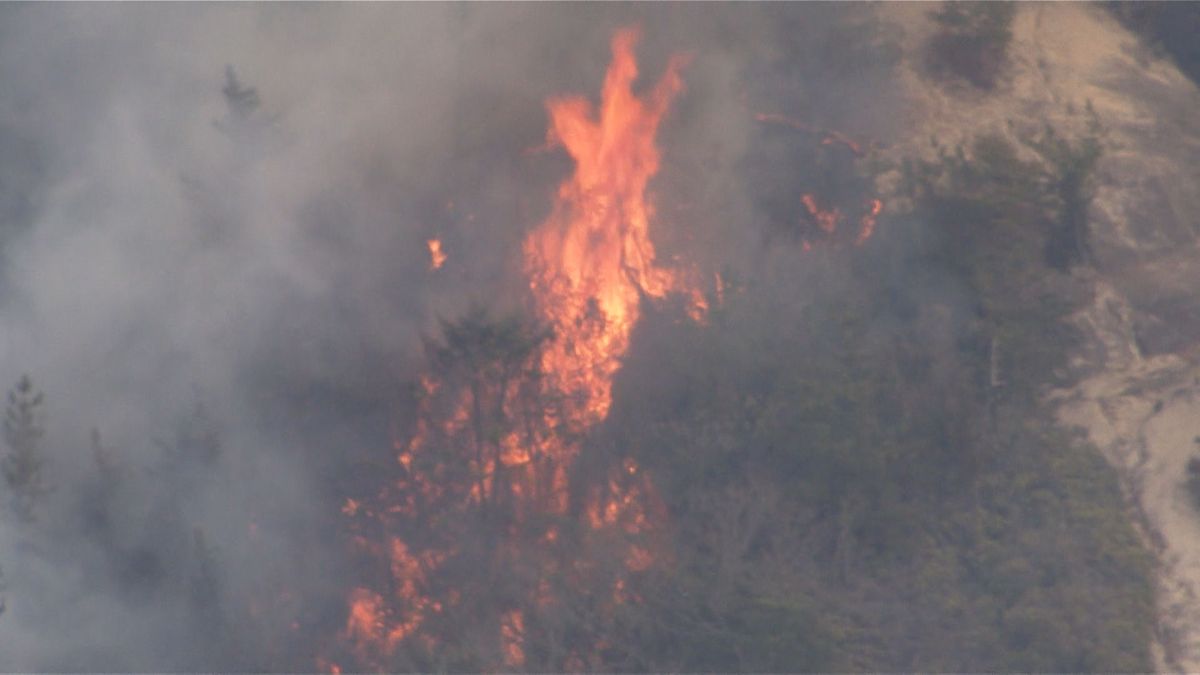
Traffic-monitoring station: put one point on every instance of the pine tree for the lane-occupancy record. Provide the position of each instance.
(23, 460)
(242, 100)
(243, 122)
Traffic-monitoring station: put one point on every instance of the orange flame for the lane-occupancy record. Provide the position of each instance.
(589, 264)
(827, 220)
(592, 260)
(868, 222)
(828, 136)
(437, 257)
(834, 136)
(512, 634)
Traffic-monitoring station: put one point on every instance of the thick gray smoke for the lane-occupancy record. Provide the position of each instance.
(230, 286)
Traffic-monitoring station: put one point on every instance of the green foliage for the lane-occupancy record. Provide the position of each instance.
(857, 461)
(1054, 532)
(1005, 227)
(688, 626)
(832, 486)
(1068, 185)
(23, 461)
(972, 40)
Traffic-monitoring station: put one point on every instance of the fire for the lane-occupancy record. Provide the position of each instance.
(437, 257)
(868, 221)
(828, 136)
(828, 220)
(592, 260)
(365, 625)
(482, 444)
(512, 632)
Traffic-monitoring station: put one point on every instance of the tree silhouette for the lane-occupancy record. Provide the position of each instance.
(23, 462)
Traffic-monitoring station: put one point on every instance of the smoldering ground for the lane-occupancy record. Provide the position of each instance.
(230, 288)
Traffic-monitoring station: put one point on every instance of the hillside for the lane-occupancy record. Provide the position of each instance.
(1137, 366)
(785, 337)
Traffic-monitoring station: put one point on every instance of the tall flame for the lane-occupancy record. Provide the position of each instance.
(437, 257)
(589, 265)
(591, 261)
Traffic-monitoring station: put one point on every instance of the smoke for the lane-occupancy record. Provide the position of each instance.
(231, 288)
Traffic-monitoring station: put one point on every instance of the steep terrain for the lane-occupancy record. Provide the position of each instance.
(826, 356)
(1136, 396)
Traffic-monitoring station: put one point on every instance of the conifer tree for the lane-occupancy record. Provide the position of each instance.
(23, 461)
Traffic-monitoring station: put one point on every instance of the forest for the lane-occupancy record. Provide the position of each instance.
(797, 422)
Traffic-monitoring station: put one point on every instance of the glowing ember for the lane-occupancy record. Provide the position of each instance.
(437, 257)
(828, 137)
(868, 221)
(827, 220)
(832, 137)
(365, 624)
(512, 634)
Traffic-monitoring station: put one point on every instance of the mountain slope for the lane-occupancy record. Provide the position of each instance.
(1137, 370)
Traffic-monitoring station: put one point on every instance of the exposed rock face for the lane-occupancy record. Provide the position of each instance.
(1139, 397)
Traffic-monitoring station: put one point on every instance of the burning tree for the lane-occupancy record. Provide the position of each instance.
(494, 549)
(476, 521)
